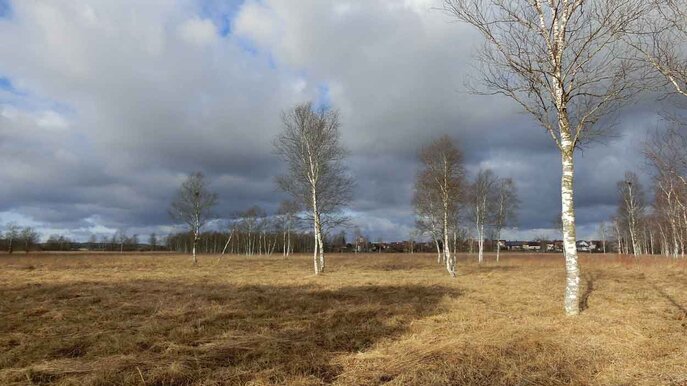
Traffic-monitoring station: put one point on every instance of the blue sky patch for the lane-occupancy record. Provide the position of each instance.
(221, 12)
(6, 85)
(271, 61)
(5, 9)
(324, 99)
(247, 46)
(25, 100)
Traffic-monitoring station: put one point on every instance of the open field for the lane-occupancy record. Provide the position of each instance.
(371, 319)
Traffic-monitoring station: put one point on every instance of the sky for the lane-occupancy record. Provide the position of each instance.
(106, 106)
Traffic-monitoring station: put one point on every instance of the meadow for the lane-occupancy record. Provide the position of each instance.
(371, 319)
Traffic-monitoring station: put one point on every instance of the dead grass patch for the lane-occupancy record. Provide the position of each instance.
(372, 319)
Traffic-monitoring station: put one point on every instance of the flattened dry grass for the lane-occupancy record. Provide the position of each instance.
(373, 319)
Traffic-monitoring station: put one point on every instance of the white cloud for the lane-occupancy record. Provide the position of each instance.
(257, 22)
(51, 120)
(200, 32)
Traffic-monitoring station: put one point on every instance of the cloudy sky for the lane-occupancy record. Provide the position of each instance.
(105, 106)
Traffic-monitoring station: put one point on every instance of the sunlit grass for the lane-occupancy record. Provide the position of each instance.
(371, 319)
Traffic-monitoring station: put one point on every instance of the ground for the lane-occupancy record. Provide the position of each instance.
(371, 319)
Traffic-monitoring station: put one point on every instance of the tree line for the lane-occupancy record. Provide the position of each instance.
(15, 238)
(657, 225)
(251, 232)
(26, 239)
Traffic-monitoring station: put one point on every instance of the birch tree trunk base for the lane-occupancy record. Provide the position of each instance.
(316, 262)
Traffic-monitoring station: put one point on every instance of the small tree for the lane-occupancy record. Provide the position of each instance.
(133, 242)
(29, 238)
(428, 213)
(439, 188)
(482, 202)
(92, 242)
(193, 206)
(631, 207)
(505, 209)
(152, 241)
(359, 238)
(288, 220)
(11, 234)
(250, 222)
(121, 238)
(316, 178)
(603, 232)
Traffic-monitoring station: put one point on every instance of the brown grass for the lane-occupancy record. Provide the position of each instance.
(372, 319)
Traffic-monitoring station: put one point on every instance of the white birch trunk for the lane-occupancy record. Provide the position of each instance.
(316, 225)
(195, 241)
(572, 269)
(480, 243)
(321, 239)
(226, 246)
(288, 244)
(676, 244)
(450, 265)
(316, 262)
(319, 244)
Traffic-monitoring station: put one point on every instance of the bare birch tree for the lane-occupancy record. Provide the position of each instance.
(439, 188)
(631, 209)
(121, 238)
(288, 219)
(152, 242)
(428, 213)
(193, 206)
(482, 206)
(316, 178)
(603, 231)
(359, 238)
(505, 209)
(12, 235)
(29, 238)
(250, 222)
(231, 227)
(563, 62)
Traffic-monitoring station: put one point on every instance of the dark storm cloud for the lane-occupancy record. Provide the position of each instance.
(104, 111)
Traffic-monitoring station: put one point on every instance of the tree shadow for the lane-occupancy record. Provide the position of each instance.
(590, 280)
(178, 333)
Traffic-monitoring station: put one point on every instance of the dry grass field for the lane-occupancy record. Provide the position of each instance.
(109, 319)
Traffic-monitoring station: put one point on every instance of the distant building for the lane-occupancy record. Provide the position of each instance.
(584, 246)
